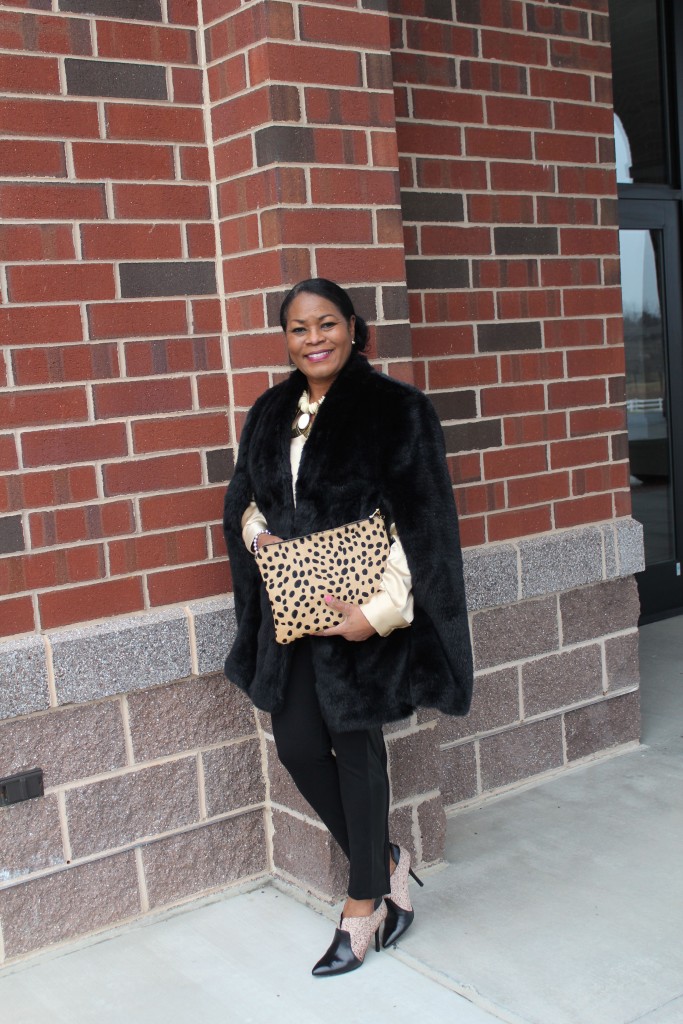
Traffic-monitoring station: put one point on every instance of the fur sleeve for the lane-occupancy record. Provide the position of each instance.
(245, 575)
(419, 498)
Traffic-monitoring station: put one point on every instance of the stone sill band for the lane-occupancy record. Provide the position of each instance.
(127, 653)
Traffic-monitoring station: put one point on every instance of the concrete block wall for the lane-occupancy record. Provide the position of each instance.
(153, 795)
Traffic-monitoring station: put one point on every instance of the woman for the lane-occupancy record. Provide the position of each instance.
(326, 447)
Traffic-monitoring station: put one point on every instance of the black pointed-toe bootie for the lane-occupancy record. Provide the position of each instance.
(350, 943)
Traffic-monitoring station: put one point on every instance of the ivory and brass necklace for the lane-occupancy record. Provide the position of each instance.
(304, 419)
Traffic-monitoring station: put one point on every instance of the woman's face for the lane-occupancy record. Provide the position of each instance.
(318, 340)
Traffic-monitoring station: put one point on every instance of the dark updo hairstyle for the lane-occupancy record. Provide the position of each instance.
(334, 294)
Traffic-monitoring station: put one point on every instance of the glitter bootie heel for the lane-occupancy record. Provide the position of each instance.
(350, 943)
(400, 913)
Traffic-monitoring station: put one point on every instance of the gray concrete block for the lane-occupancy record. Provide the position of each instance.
(214, 629)
(204, 858)
(23, 676)
(116, 812)
(401, 828)
(623, 667)
(594, 612)
(571, 558)
(495, 703)
(601, 726)
(431, 819)
(42, 911)
(491, 576)
(500, 635)
(609, 542)
(629, 536)
(521, 753)
(233, 777)
(413, 764)
(562, 679)
(458, 773)
(309, 854)
(30, 837)
(67, 743)
(120, 655)
(188, 715)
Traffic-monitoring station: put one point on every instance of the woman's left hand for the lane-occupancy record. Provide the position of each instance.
(354, 627)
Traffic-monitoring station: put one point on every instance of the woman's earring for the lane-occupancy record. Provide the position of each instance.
(353, 341)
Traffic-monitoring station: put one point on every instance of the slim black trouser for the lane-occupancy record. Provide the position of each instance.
(348, 789)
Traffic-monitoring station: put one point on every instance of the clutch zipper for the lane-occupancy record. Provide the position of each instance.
(377, 512)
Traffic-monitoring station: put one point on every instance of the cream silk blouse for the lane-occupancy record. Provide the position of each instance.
(392, 606)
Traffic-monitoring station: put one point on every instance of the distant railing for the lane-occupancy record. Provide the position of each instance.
(645, 405)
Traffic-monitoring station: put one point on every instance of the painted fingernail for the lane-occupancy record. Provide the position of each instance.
(328, 598)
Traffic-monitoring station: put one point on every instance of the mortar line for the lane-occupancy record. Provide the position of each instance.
(127, 734)
(213, 199)
(64, 827)
(201, 787)
(51, 684)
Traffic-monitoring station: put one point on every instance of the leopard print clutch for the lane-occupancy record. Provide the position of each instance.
(347, 562)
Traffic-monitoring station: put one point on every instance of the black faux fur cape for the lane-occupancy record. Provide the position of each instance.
(375, 443)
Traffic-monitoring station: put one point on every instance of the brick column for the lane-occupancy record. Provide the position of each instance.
(304, 136)
(504, 132)
(306, 167)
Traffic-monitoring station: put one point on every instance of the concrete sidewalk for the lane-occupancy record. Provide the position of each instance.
(561, 904)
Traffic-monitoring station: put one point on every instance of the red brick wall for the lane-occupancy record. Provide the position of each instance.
(116, 452)
(505, 135)
(304, 139)
(128, 366)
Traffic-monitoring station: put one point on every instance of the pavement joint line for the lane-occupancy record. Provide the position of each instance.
(467, 992)
(655, 1009)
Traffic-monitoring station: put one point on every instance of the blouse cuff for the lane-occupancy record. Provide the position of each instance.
(253, 522)
(382, 614)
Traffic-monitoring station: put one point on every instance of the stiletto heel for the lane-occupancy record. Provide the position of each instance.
(400, 913)
(350, 943)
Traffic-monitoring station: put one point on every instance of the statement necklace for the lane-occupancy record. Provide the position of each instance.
(304, 420)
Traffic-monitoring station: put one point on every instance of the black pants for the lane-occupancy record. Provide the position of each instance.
(348, 789)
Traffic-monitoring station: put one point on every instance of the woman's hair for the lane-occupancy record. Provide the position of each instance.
(334, 294)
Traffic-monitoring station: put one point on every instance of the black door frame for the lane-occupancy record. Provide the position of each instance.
(661, 584)
(660, 207)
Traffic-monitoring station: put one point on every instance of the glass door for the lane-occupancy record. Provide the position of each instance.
(653, 333)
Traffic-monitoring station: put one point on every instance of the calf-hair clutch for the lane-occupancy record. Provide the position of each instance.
(347, 562)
